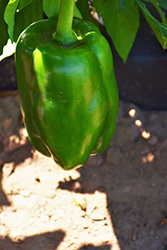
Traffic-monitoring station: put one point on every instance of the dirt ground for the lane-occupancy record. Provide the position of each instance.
(116, 201)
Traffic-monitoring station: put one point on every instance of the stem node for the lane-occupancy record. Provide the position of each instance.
(64, 34)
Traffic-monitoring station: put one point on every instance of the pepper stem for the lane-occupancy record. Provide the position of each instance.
(64, 34)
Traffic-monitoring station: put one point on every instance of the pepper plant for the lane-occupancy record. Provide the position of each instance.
(68, 94)
(120, 17)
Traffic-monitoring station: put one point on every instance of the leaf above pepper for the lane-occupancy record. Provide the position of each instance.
(3, 31)
(162, 3)
(159, 29)
(51, 8)
(9, 16)
(121, 19)
(23, 4)
(26, 16)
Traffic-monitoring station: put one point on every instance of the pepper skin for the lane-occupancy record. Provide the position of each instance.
(68, 95)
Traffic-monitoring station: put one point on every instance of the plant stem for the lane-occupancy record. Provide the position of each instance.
(64, 34)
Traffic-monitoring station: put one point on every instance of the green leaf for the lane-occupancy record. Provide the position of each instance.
(31, 13)
(4, 28)
(98, 6)
(161, 13)
(83, 7)
(162, 3)
(23, 4)
(9, 16)
(51, 8)
(77, 12)
(121, 19)
(159, 29)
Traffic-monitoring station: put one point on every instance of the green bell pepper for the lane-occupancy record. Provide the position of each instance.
(67, 87)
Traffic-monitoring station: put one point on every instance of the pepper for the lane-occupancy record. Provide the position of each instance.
(67, 87)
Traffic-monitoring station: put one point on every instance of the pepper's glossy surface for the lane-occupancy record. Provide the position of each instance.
(68, 95)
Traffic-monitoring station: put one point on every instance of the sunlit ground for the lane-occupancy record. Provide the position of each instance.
(38, 207)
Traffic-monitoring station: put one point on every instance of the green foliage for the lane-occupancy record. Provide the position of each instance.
(23, 4)
(120, 17)
(84, 9)
(51, 8)
(9, 16)
(77, 12)
(162, 3)
(159, 29)
(19, 14)
(3, 30)
(26, 16)
(98, 4)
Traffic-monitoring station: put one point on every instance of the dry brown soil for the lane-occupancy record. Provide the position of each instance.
(116, 201)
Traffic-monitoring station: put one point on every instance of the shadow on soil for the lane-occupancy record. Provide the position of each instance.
(51, 240)
(16, 156)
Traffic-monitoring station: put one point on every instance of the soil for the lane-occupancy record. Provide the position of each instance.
(116, 201)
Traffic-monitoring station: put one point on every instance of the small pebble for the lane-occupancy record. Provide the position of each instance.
(45, 218)
(152, 140)
(8, 169)
(113, 155)
(19, 238)
(145, 151)
(85, 225)
(60, 212)
(74, 227)
(95, 228)
(3, 230)
(82, 213)
(25, 193)
(153, 184)
(98, 217)
(54, 217)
